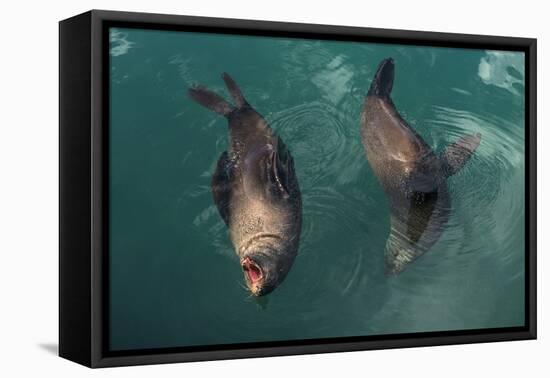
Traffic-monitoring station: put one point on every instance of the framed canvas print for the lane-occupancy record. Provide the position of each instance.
(233, 188)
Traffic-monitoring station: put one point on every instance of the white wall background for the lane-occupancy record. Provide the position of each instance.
(29, 188)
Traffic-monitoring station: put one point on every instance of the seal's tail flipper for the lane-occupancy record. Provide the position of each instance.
(382, 82)
(457, 154)
(211, 100)
(235, 91)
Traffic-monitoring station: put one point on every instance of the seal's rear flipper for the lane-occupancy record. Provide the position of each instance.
(457, 154)
(382, 83)
(211, 100)
(235, 91)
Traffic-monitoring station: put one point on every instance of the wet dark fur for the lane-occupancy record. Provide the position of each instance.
(255, 189)
(413, 177)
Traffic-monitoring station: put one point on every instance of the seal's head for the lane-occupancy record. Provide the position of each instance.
(263, 272)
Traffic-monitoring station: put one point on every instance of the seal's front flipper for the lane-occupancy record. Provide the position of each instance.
(457, 154)
(270, 171)
(235, 91)
(222, 185)
(211, 100)
(282, 171)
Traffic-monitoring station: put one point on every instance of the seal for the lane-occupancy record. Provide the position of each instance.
(412, 176)
(256, 191)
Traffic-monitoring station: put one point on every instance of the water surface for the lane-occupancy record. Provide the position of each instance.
(174, 277)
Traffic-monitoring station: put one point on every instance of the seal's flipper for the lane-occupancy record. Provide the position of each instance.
(282, 171)
(211, 100)
(270, 171)
(382, 83)
(222, 185)
(235, 91)
(422, 206)
(422, 182)
(457, 154)
(257, 164)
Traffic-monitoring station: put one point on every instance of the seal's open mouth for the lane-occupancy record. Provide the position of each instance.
(252, 270)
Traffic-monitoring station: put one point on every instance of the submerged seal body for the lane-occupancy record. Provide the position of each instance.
(256, 191)
(413, 177)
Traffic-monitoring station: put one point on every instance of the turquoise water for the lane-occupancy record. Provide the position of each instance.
(175, 279)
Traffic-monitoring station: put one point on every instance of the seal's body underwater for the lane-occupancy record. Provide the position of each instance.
(256, 191)
(413, 177)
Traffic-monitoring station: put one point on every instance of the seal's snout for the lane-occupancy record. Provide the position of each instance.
(254, 275)
(383, 79)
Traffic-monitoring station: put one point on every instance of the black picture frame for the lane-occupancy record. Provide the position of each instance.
(84, 202)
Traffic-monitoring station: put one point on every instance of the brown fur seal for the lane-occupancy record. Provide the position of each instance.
(256, 191)
(413, 177)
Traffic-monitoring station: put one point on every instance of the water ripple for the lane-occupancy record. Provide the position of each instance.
(320, 137)
(488, 191)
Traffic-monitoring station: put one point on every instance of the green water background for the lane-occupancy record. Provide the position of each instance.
(174, 277)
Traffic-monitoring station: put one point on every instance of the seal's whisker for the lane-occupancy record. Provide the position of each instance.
(243, 286)
(249, 296)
